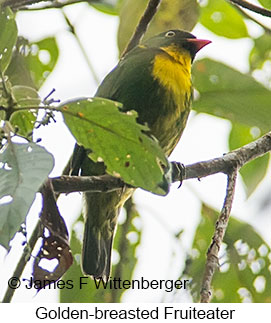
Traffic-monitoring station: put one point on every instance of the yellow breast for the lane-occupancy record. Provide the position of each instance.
(172, 69)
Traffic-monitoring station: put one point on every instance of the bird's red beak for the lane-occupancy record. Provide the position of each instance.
(198, 43)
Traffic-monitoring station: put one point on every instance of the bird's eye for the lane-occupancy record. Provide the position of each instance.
(170, 33)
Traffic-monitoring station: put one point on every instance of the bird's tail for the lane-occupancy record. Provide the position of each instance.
(100, 222)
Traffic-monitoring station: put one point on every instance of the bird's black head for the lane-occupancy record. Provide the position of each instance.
(178, 38)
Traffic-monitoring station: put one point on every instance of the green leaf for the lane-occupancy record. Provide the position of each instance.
(261, 52)
(182, 14)
(8, 36)
(18, 71)
(23, 169)
(222, 19)
(42, 59)
(24, 121)
(244, 261)
(25, 96)
(227, 93)
(265, 3)
(117, 139)
(253, 172)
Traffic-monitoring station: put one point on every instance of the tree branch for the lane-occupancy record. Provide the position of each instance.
(142, 25)
(103, 183)
(224, 164)
(220, 229)
(24, 4)
(252, 7)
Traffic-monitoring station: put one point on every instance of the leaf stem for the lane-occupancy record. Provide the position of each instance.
(73, 31)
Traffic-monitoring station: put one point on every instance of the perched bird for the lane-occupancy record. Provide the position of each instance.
(153, 79)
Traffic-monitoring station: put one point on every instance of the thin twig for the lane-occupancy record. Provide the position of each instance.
(247, 16)
(73, 31)
(22, 263)
(252, 7)
(142, 25)
(16, 4)
(220, 229)
(24, 4)
(53, 5)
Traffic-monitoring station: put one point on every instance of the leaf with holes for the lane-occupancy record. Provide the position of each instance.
(42, 59)
(8, 36)
(227, 93)
(23, 169)
(117, 139)
(55, 246)
(244, 260)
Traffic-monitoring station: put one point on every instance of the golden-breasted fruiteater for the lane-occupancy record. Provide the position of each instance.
(153, 79)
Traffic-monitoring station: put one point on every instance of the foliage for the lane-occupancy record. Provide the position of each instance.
(98, 124)
(24, 168)
(244, 258)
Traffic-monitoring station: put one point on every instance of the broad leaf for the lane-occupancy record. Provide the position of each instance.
(253, 172)
(8, 36)
(25, 96)
(182, 14)
(244, 260)
(117, 139)
(227, 93)
(18, 72)
(222, 19)
(23, 169)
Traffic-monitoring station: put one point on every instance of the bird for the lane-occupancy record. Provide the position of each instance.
(154, 79)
